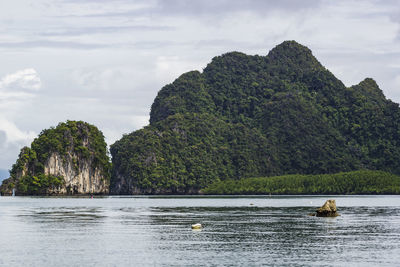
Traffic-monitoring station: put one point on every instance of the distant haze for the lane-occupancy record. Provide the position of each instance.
(104, 61)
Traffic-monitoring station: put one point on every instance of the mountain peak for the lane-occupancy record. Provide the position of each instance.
(370, 88)
(290, 46)
(369, 82)
(292, 53)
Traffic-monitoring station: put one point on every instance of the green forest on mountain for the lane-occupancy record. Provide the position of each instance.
(257, 116)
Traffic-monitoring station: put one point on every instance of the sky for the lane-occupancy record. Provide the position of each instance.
(103, 61)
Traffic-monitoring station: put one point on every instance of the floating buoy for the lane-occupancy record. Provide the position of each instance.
(196, 226)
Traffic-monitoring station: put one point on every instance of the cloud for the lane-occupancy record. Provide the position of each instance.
(3, 139)
(53, 44)
(17, 90)
(77, 31)
(92, 8)
(397, 83)
(12, 139)
(187, 8)
(14, 134)
(169, 68)
(210, 7)
(105, 79)
(97, 44)
(23, 79)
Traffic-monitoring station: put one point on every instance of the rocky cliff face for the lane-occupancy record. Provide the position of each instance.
(69, 159)
(79, 175)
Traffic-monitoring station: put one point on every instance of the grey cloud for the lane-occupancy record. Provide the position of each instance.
(227, 6)
(227, 44)
(392, 9)
(52, 44)
(218, 42)
(155, 44)
(207, 7)
(3, 138)
(88, 46)
(107, 30)
(391, 3)
(92, 1)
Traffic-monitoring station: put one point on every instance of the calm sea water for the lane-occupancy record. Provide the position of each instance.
(238, 231)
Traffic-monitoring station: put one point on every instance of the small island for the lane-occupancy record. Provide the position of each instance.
(70, 159)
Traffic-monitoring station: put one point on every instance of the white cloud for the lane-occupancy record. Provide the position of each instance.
(169, 68)
(17, 90)
(23, 79)
(14, 134)
(11, 141)
(106, 79)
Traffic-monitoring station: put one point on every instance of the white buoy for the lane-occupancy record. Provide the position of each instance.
(196, 226)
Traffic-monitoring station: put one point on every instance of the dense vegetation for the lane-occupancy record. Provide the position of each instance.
(252, 116)
(356, 182)
(39, 184)
(73, 137)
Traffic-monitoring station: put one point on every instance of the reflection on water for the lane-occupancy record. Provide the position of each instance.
(63, 215)
(156, 231)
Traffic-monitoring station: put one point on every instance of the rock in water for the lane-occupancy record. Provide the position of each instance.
(328, 209)
(68, 159)
(197, 226)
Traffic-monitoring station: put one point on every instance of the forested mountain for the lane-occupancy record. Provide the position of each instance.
(252, 116)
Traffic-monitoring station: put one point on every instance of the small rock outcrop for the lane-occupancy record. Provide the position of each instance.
(69, 159)
(197, 226)
(328, 209)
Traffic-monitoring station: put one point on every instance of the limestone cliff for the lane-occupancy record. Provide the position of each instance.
(69, 159)
(80, 178)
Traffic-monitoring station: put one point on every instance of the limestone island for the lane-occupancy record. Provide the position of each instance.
(70, 159)
(246, 118)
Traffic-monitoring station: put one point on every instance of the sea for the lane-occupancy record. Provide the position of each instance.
(236, 231)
